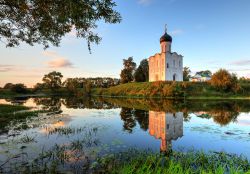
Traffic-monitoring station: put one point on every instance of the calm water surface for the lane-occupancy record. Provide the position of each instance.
(104, 126)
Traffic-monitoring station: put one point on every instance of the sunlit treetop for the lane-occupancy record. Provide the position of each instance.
(46, 22)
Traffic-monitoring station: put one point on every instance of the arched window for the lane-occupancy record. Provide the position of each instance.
(167, 65)
(179, 63)
(174, 62)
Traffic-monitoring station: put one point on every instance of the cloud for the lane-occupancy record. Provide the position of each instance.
(241, 62)
(57, 61)
(176, 32)
(6, 68)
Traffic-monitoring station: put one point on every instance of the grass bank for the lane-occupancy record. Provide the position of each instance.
(188, 90)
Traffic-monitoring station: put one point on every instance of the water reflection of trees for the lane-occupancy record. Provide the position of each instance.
(81, 103)
(53, 104)
(50, 104)
(132, 116)
(17, 100)
(222, 112)
(225, 112)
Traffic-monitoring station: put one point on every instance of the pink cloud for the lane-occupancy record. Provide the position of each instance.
(6, 68)
(59, 63)
(57, 60)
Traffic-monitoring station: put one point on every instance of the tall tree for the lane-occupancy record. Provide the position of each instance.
(53, 80)
(141, 73)
(127, 74)
(186, 73)
(46, 22)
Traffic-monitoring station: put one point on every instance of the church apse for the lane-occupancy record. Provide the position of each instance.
(165, 126)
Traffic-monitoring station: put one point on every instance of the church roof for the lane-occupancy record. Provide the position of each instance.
(166, 38)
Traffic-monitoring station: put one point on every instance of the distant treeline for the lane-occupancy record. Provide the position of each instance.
(52, 83)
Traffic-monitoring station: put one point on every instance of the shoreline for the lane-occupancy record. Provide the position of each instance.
(172, 98)
(169, 90)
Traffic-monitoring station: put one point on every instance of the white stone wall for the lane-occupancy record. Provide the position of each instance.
(174, 67)
(157, 67)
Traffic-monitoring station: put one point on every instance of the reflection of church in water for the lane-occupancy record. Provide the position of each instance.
(166, 126)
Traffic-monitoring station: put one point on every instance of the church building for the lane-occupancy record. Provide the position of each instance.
(167, 65)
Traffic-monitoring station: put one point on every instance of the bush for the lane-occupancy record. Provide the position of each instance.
(224, 81)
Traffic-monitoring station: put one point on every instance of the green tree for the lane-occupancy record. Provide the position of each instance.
(142, 72)
(128, 70)
(39, 87)
(46, 22)
(186, 73)
(72, 84)
(19, 88)
(53, 80)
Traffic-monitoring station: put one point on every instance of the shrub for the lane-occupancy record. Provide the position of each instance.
(224, 81)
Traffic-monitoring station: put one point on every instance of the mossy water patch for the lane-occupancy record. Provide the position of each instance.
(15, 114)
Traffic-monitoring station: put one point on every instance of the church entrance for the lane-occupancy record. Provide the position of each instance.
(174, 77)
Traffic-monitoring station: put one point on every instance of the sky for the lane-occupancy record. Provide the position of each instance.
(210, 34)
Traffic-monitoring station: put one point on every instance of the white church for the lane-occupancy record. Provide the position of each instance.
(167, 65)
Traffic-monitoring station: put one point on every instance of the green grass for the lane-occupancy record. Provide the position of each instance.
(134, 162)
(188, 90)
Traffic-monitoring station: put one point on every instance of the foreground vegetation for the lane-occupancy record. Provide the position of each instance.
(146, 162)
(189, 90)
(174, 162)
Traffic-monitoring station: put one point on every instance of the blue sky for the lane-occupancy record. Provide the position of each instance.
(210, 34)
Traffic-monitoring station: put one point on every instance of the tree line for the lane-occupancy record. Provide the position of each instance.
(53, 82)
